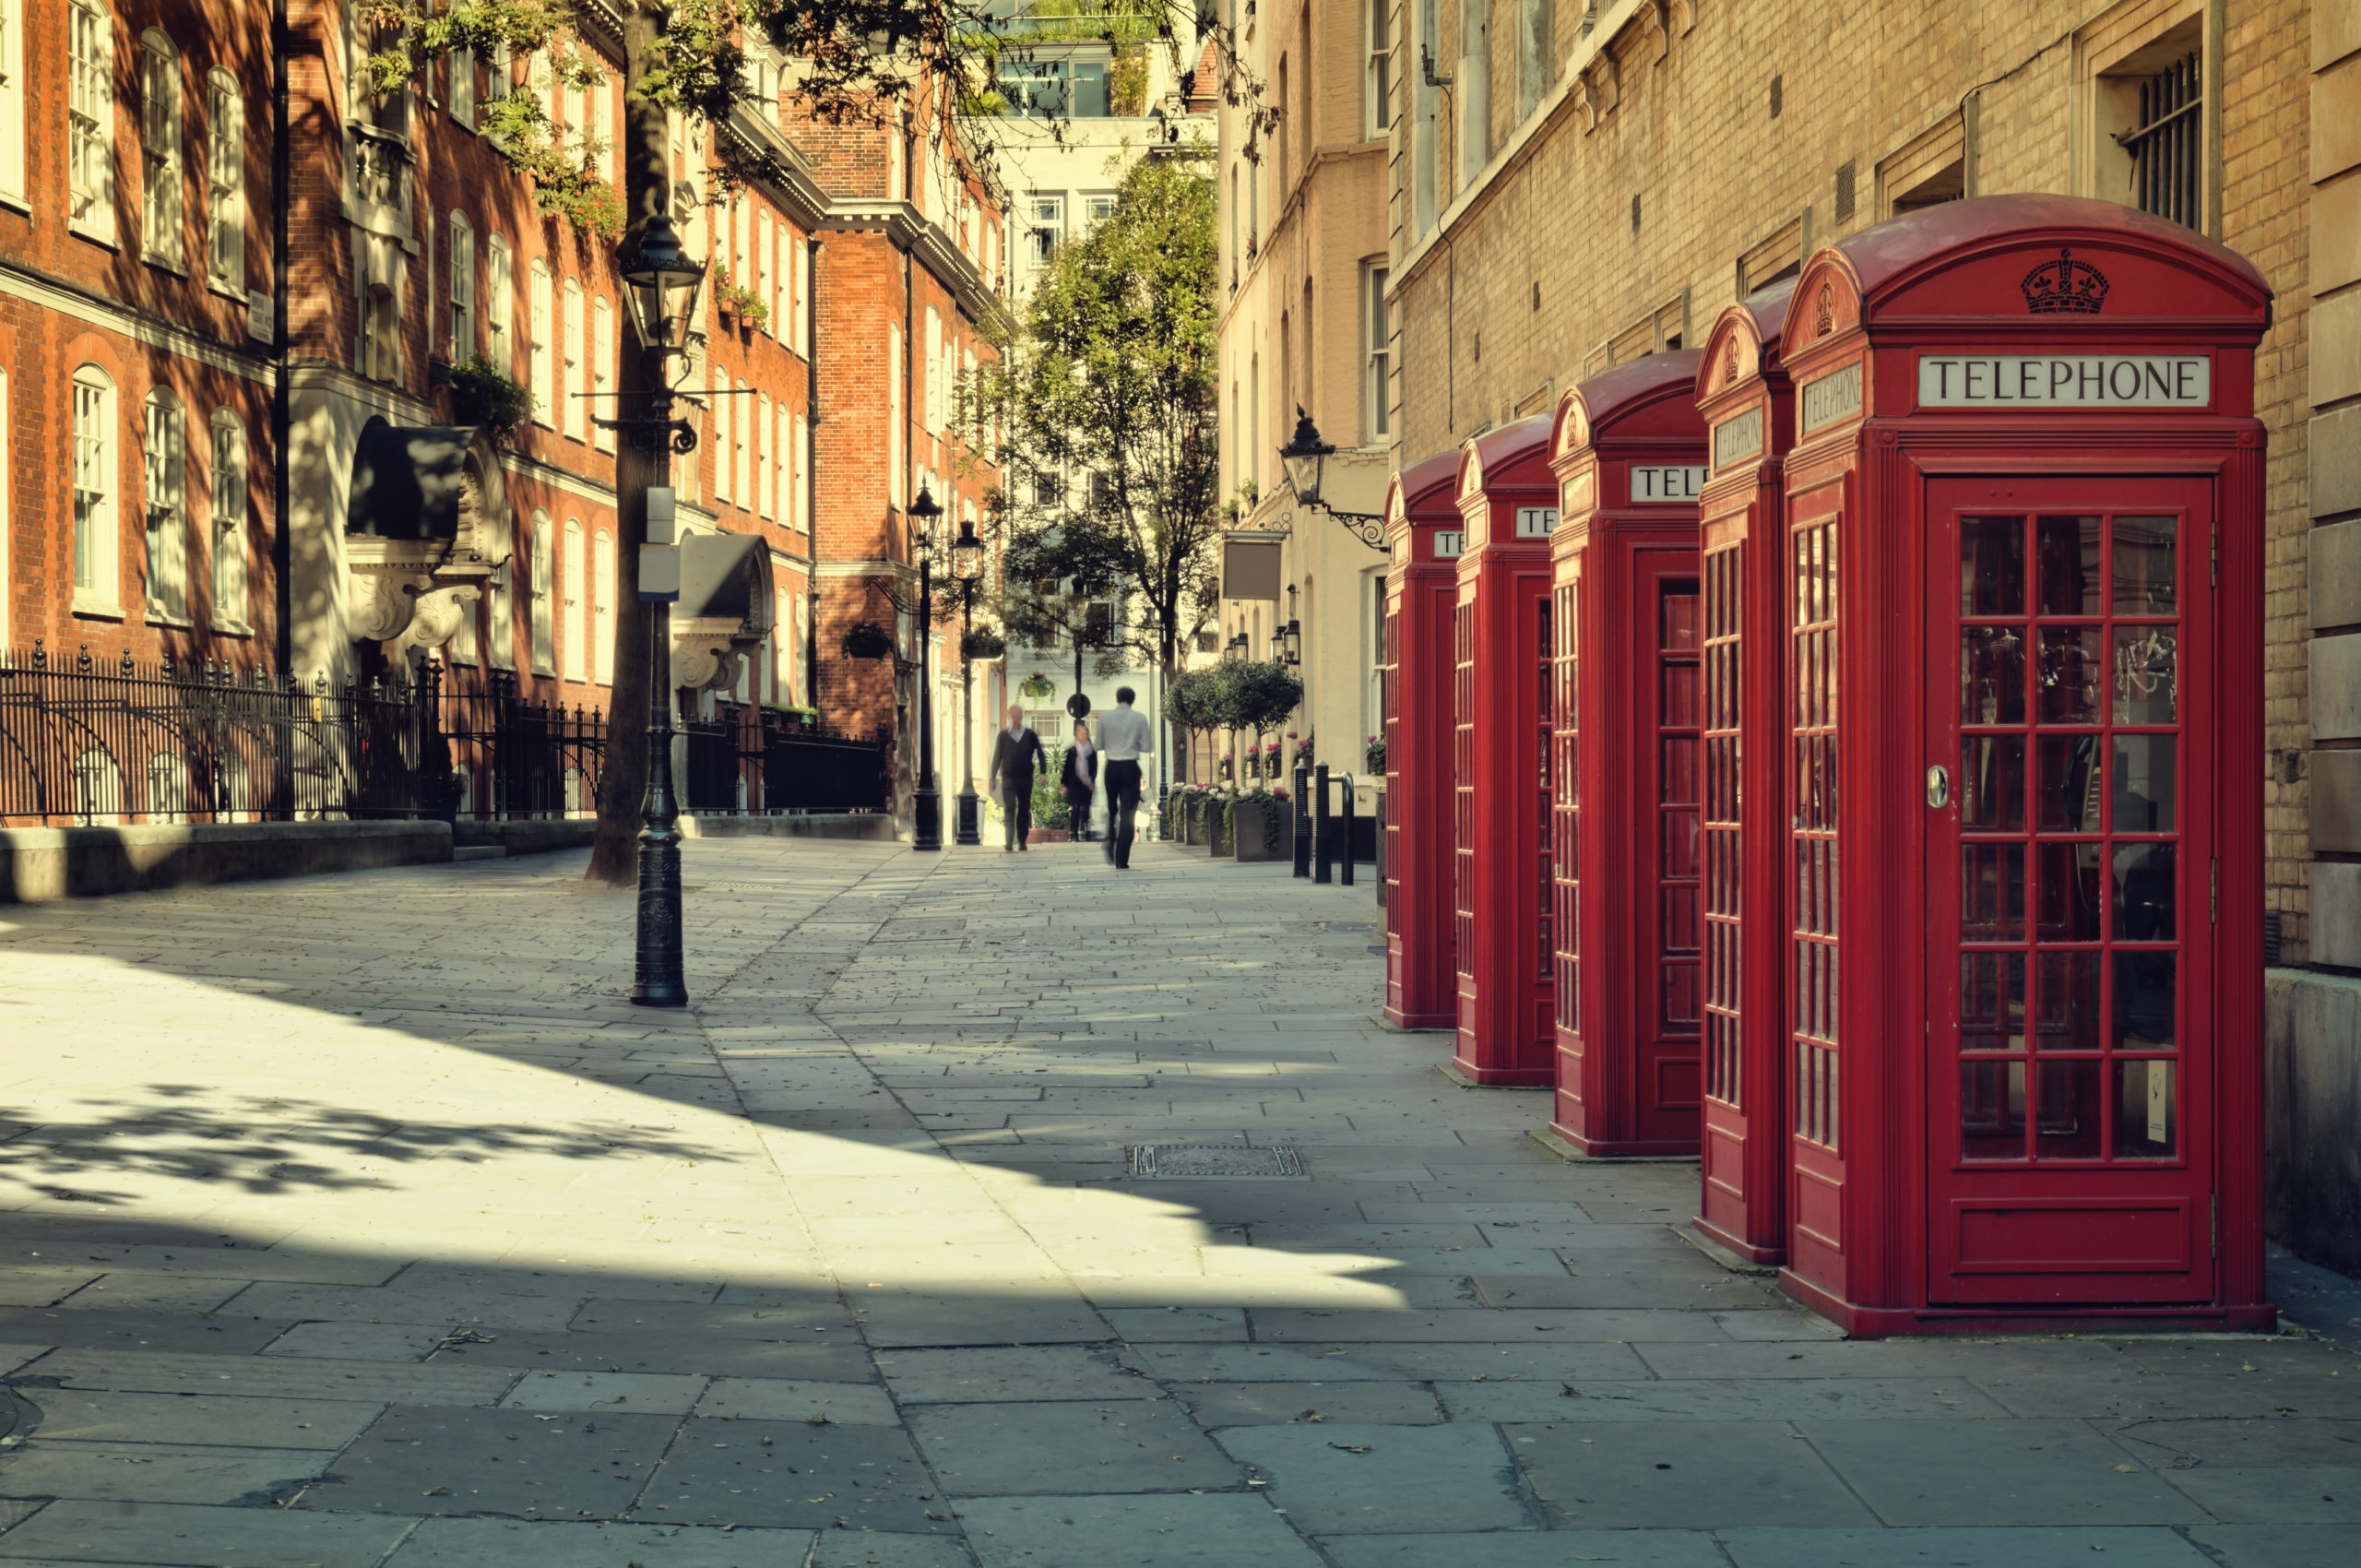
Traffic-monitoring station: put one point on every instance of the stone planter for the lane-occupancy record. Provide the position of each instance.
(1192, 822)
(1249, 822)
(1217, 834)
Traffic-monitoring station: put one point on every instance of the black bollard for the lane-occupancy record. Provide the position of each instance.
(1302, 820)
(1323, 840)
(1346, 837)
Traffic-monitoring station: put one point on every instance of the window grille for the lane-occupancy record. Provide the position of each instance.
(90, 119)
(225, 186)
(167, 469)
(2166, 145)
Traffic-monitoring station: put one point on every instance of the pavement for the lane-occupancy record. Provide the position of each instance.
(355, 1221)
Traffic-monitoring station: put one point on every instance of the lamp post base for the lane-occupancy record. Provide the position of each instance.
(926, 818)
(966, 832)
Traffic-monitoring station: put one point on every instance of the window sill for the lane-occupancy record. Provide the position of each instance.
(166, 264)
(232, 628)
(167, 620)
(545, 669)
(89, 607)
(95, 235)
(11, 198)
(221, 287)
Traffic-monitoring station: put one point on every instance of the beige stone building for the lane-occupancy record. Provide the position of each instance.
(1305, 264)
(1573, 183)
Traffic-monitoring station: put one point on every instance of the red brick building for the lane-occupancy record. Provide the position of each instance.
(190, 476)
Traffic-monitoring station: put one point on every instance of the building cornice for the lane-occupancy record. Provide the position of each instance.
(910, 230)
(70, 299)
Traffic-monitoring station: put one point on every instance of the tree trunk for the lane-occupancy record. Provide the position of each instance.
(622, 772)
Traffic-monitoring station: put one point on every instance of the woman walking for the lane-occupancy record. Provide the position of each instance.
(1079, 779)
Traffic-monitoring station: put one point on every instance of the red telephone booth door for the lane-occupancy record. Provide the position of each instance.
(2069, 918)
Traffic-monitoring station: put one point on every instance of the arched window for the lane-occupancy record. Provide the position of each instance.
(98, 788)
(602, 368)
(160, 150)
(543, 347)
(12, 98)
(575, 606)
(576, 418)
(602, 608)
(462, 347)
(166, 788)
(90, 118)
(544, 579)
(765, 481)
(500, 598)
(499, 305)
(166, 464)
(721, 491)
(225, 183)
(95, 579)
(229, 519)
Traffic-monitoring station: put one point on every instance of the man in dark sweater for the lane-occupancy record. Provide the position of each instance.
(1016, 762)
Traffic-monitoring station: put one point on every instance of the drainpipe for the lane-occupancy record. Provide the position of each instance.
(812, 477)
(281, 418)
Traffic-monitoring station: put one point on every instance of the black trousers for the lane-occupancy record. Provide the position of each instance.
(1122, 809)
(1019, 815)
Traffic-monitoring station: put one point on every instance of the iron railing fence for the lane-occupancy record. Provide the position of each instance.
(809, 769)
(89, 742)
(86, 742)
(511, 758)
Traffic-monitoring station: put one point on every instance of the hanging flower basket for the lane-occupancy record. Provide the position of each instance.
(1038, 686)
(982, 644)
(867, 639)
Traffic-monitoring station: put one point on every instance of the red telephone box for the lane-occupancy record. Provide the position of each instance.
(1500, 757)
(2025, 520)
(1424, 531)
(1747, 404)
(1629, 453)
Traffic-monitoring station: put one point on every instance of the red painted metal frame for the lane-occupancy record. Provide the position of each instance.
(1749, 408)
(1422, 528)
(1626, 812)
(1500, 708)
(1871, 1174)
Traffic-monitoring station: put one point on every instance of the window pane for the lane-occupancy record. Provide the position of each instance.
(2145, 576)
(1992, 1109)
(2144, 994)
(2068, 550)
(2144, 783)
(1993, 1001)
(2066, 1001)
(2146, 674)
(1992, 566)
(2067, 676)
(1992, 675)
(2069, 891)
(2068, 1109)
(2145, 1110)
(2069, 783)
(1992, 892)
(2144, 894)
(1992, 782)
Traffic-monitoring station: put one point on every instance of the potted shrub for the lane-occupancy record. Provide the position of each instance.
(1263, 825)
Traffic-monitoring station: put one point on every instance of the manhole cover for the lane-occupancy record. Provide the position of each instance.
(1228, 1161)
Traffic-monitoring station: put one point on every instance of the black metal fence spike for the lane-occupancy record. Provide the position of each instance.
(83, 661)
(127, 666)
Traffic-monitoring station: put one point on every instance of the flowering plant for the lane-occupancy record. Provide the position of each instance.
(1302, 749)
(1373, 753)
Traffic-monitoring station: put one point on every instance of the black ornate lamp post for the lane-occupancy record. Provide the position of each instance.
(1291, 644)
(1305, 457)
(925, 804)
(663, 280)
(967, 566)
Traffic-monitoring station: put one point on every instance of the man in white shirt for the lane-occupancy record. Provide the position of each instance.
(1123, 738)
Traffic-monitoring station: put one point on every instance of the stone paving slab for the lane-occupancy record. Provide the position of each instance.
(848, 1256)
